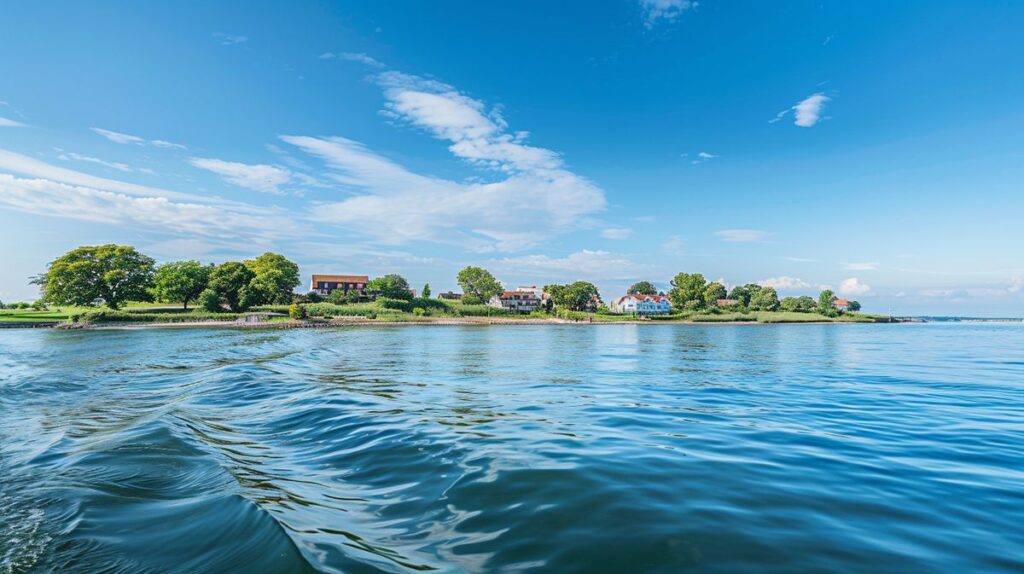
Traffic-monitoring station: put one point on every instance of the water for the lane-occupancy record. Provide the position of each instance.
(621, 448)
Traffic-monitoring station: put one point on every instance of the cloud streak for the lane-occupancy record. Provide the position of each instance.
(128, 139)
(257, 177)
(743, 235)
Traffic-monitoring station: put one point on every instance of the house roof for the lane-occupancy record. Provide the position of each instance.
(842, 302)
(509, 294)
(341, 279)
(726, 302)
(655, 298)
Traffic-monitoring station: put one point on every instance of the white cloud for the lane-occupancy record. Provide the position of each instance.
(785, 283)
(702, 157)
(352, 57)
(586, 264)
(799, 259)
(257, 177)
(808, 111)
(864, 266)
(742, 235)
(71, 156)
(667, 10)
(853, 286)
(126, 139)
(616, 233)
(6, 123)
(674, 244)
(229, 39)
(533, 197)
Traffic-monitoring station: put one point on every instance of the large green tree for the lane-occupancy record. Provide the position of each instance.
(274, 279)
(478, 285)
(229, 285)
(114, 273)
(687, 287)
(180, 281)
(765, 299)
(426, 291)
(392, 286)
(576, 296)
(853, 306)
(713, 292)
(642, 288)
(826, 302)
(802, 304)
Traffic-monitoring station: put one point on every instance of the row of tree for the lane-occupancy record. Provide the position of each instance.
(116, 274)
(692, 292)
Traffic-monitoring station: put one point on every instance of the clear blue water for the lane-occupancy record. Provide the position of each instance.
(654, 448)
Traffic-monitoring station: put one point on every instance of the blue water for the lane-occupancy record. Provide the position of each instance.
(612, 448)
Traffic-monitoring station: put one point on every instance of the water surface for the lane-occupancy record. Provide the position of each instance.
(613, 448)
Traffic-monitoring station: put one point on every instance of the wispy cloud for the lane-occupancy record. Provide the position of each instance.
(533, 197)
(743, 235)
(352, 57)
(592, 265)
(72, 156)
(257, 177)
(6, 123)
(785, 283)
(701, 157)
(616, 232)
(864, 266)
(229, 39)
(656, 11)
(799, 259)
(674, 244)
(128, 139)
(807, 112)
(853, 286)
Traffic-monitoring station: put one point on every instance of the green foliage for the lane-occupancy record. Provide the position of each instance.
(341, 297)
(577, 296)
(853, 306)
(111, 316)
(687, 288)
(274, 279)
(180, 281)
(803, 304)
(230, 283)
(391, 286)
(642, 288)
(426, 291)
(419, 311)
(693, 305)
(741, 294)
(826, 302)
(394, 304)
(478, 285)
(113, 273)
(210, 300)
(296, 311)
(765, 299)
(713, 292)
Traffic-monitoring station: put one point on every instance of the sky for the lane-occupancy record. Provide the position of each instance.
(874, 148)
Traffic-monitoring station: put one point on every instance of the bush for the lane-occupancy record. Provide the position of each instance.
(110, 316)
(419, 311)
(39, 305)
(296, 311)
(210, 301)
(693, 305)
(394, 304)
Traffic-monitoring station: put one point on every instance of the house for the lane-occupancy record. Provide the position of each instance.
(727, 302)
(325, 284)
(841, 304)
(519, 301)
(642, 305)
(450, 296)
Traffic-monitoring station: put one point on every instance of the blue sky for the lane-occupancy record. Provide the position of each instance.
(875, 148)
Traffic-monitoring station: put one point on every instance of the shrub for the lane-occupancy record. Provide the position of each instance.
(110, 316)
(693, 305)
(210, 301)
(394, 304)
(296, 311)
(419, 311)
(39, 305)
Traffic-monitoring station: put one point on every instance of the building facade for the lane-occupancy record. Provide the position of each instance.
(641, 305)
(325, 284)
(518, 301)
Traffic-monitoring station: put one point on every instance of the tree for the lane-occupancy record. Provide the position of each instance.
(853, 306)
(765, 299)
(802, 304)
(426, 291)
(642, 288)
(342, 297)
(741, 294)
(274, 279)
(826, 302)
(478, 285)
(180, 281)
(576, 296)
(113, 273)
(229, 285)
(713, 292)
(391, 286)
(687, 287)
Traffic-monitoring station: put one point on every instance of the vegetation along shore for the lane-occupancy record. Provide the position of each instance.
(116, 285)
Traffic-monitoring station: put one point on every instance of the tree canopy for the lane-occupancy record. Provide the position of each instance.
(180, 281)
(392, 286)
(803, 304)
(576, 296)
(113, 273)
(765, 299)
(426, 291)
(713, 292)
(687, 287)
(229, 285)
(478, 285)
(853, 306)
(274, 279)
(826, 301)
(642, 288)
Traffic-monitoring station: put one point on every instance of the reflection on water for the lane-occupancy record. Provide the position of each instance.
(621, 448)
